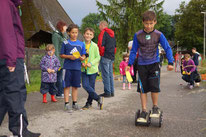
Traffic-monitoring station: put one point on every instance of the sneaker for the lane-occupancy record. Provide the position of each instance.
(155, 112)
(87, 106)
(191, 86)
(198, 84)
(101, 103)
(75, 107)
(112, 94)
(105, 95)
(61, 96)
(28, 133)
(68, 108)
(143, 115)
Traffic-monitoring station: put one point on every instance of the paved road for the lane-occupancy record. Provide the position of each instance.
(184, 113)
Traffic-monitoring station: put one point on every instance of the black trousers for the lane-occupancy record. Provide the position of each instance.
(149, 78)
(189, 78)
(13, 96)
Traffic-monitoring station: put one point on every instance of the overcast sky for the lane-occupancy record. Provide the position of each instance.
(78, 9)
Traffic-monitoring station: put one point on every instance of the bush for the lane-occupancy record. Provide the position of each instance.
(43, 46)
(36, 59)
(203, 67)
(118, 59)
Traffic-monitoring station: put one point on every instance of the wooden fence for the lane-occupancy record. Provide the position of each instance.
(33, 58)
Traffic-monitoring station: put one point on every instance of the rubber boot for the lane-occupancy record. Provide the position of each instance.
(44, 98)
(129, 86)
(123, 86)
(53, 98)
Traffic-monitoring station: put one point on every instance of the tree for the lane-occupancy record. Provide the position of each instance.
(165, 24)
(125, 16)
(190, 23)
(92, 21)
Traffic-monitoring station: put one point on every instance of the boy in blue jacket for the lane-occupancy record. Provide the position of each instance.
(73, 51)
(146, 42)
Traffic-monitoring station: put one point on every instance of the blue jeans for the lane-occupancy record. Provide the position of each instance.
(59, 83)
(88, 83)
(124, 79)
(107, 75)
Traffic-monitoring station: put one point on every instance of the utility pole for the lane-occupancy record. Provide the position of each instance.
(204, 36)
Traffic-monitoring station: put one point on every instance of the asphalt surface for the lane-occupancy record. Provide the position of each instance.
(184, 113)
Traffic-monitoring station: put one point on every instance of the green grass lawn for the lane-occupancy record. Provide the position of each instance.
(202, 67)
(35, 80)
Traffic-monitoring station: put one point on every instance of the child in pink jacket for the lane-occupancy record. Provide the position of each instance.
(122, 67)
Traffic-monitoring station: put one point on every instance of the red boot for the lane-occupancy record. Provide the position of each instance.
(44, 98)
(53, 98)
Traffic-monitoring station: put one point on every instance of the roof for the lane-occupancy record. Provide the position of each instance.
(42, 15)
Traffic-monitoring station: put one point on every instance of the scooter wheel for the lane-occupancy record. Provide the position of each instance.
(149, 119)
(137, 114)
(160, 119)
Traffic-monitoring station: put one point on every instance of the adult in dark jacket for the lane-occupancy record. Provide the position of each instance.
(12, 85)
(195, 56)
(58, 37)
(107, 49)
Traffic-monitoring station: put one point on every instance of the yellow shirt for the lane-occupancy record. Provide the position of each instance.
(87, 47)
(87, 50)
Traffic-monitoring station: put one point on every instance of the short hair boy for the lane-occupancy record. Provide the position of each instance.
(146, 42)
(73, 51)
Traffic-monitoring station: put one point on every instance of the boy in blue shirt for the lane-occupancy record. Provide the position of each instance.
(146, 42)
(73, 51)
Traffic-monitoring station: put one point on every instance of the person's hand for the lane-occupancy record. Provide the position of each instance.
(52, 71)
(49, 70)
(127, 68)
(82, 57)
(83, 65)
(188, 73)
(11, 69)
(89, 65)
(72, 57)
(170, 67)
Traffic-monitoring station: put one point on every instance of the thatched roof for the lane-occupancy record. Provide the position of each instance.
(42, 15)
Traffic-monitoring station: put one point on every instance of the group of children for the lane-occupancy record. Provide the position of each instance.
(81, 61)
(145, 42)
